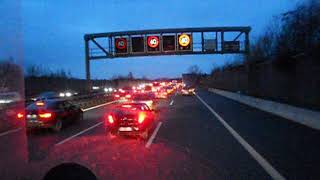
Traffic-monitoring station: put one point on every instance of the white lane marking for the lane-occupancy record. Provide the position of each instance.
(171, 103)
(94, 107)
(10, 131)
(153, 135)
(81, 132)
(262, 161)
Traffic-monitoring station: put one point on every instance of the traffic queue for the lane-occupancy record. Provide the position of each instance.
(134, 113)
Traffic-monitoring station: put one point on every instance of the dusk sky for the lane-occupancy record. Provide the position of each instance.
(50, 32)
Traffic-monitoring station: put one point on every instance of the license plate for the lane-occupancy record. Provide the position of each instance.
(125, 129)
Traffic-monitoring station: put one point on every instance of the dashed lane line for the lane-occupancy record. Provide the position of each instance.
(10, 131)
(153, 136)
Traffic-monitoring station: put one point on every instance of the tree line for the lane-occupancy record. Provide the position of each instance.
(290, 36)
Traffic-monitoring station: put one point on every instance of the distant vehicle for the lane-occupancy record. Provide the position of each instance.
(161, 94)
(146, 98)
(122, 95)
(67, 94)
(11, 103)
(148, 89)
(170, 89)
(46, 96)
(189, 91)
(127, 89)
(52, 114)
(130, 119)
(9, 97)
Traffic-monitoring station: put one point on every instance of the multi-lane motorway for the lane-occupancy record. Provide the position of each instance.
(205, 136)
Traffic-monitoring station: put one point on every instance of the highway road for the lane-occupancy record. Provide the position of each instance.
(206, 136)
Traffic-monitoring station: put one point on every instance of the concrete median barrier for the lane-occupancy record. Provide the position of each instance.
(300, 115)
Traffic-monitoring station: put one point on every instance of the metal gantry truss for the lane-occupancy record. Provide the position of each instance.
(102, 45)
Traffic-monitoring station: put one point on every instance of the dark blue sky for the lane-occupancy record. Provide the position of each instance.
(53, 30)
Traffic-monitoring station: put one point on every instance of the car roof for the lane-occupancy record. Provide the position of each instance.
(47, 103)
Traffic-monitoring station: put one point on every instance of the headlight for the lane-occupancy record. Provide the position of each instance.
(61, 94)
(68, 94)
(4, 101)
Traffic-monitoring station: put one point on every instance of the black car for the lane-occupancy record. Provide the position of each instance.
(134, 119)
(52, 114)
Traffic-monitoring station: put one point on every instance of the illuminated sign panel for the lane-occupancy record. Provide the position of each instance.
(184, 42)
(121, 45)
(169, 43)
(153, 43)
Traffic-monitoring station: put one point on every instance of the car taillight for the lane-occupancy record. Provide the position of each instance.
(46, 115)
(20, 115)
(141, 117)
(128, 96)
(117, 95)
(110, 119)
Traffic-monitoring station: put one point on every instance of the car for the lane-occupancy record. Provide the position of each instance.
(170, 89)
(51, 114)
(133, 119)
(147, 98)
(122, 96)
(188, 91)
(162, 94)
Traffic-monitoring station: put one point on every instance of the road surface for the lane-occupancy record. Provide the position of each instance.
(206, 136)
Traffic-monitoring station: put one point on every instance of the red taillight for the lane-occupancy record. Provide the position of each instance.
(117, 95)
(142, 117)
(110, 119)
(20, 115)
(128, 96)
(45, 115)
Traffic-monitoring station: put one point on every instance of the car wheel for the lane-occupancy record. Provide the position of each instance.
(57, 126)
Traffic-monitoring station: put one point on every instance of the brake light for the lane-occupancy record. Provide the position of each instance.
(110, 119)
(20, 115)
(117, 95)
(45, 115)
(128, 96)
(40, 103)
(141, 117)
